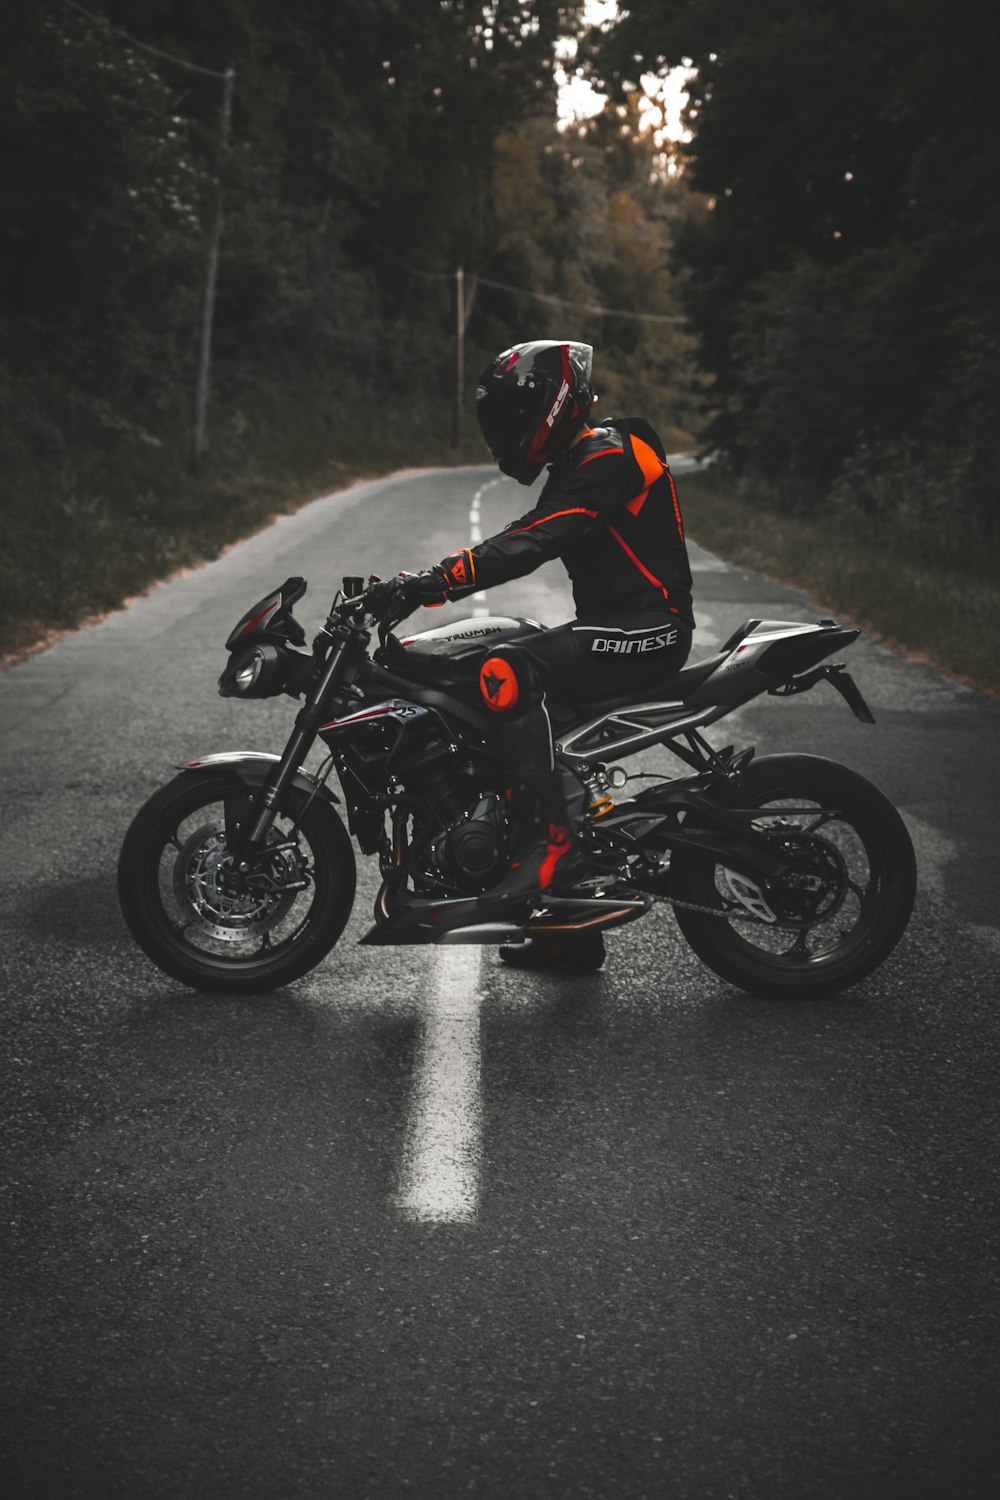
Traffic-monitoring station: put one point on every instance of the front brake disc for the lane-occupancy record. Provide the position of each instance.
(200, 875)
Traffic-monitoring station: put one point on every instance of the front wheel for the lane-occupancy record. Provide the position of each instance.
(219, 930)
(831, 922)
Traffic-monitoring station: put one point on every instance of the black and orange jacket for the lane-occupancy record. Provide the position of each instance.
(609, 510)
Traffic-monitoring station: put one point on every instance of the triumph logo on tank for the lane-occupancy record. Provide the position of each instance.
(631, 648)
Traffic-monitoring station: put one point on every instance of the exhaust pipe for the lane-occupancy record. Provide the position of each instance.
(485, 932)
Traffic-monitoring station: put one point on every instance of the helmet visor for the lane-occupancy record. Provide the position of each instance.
(507, 416)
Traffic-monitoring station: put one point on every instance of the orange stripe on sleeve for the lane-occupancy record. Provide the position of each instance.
(577, 510)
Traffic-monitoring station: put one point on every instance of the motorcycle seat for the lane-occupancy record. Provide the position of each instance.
(673, 688)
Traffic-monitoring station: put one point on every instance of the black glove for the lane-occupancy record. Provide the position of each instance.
(458, 570)
(395, 598)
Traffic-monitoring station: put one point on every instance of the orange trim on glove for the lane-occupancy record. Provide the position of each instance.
(459, 569)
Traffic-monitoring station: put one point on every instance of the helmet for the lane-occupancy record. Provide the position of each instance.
(531, 400)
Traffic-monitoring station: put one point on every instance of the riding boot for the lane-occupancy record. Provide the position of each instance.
(563, 953)
(543, 856)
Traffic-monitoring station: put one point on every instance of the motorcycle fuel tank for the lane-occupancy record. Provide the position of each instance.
(464, 638)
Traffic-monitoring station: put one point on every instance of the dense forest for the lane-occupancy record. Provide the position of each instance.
(809, 289)
(844, 284)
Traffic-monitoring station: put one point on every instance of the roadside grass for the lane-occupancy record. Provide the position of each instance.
(78, 538)
(945, 611)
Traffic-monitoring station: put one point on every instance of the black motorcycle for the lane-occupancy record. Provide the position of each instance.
(788, 874)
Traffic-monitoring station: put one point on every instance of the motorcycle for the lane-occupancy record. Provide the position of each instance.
(787, 874)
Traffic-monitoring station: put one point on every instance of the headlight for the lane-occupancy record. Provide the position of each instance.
(258, 672)
(265, 671)
(247, 675)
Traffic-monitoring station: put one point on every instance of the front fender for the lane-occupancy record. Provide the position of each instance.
(252, 767)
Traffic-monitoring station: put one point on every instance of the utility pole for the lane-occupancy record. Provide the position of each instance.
(211, 274)
(459, 353)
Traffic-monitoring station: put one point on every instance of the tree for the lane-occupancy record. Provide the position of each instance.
(98, 227)
(842, 286)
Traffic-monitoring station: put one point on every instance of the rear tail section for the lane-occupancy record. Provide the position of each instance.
(763, 655)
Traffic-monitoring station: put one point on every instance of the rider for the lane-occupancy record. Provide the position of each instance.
(609, 511)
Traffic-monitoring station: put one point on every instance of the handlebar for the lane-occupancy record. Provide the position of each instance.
(355, 600)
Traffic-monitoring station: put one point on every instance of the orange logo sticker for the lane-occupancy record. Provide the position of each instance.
(498, 684)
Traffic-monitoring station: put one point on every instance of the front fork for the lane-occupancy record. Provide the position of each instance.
(328, 696)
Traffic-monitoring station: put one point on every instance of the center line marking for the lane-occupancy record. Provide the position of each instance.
(440, 1176)
(480, 608)
(439, 1182)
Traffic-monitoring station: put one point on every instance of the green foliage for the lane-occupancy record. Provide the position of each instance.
(98, 228)
(843, 284)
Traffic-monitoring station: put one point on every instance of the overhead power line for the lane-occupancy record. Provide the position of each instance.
(506, 286)
(180, 62)
(593, 307)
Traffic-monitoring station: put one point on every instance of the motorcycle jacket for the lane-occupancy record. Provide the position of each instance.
(609, 510)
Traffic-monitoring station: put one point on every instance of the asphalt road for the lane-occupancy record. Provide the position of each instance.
(421, 1226)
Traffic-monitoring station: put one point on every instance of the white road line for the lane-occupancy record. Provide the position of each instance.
(480, 606)
(440, 1176)
(439, 1182)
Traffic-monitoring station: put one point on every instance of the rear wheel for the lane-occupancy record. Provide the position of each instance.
(832, 921)
(216, 928)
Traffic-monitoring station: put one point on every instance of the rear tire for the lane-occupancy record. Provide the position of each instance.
(823, 939)
(174, 897)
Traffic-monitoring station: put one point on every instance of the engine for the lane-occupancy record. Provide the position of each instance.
(471, 854)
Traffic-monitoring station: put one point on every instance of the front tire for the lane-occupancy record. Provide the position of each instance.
(178, 897)
(803, 936)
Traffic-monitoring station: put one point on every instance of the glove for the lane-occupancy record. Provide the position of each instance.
(458, 570)
(398, 597)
